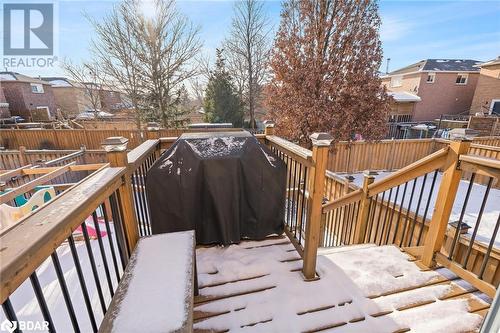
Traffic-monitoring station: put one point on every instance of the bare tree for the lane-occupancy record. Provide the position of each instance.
(247, 49)
(114, 49)
(166, 46)
(89, 78)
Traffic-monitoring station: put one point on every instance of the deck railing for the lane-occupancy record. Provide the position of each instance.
(411, 208)
(58, 230)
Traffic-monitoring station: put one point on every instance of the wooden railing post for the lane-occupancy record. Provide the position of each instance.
(444, 201)
(321, 146)
(364, 206)
(22, 155)
(116, 149)
(269, 127)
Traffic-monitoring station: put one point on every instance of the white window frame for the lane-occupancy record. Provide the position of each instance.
(429, 75)
(466, 76)
(493, 101)
(396, 81)
(38, 86)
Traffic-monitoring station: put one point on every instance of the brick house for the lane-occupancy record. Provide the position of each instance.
(445, 86)
(402, 106)
(30, 98)
(73, 98)
(4, 106)
(487, 95)
(70, 96)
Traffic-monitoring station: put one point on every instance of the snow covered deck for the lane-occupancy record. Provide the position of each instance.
(258, 287)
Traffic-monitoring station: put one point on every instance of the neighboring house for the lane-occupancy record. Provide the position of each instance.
(30, 98)
(402, 106)
(4, 106)
(70, 96)
(445, 86)
(112, 100)
(487, 95)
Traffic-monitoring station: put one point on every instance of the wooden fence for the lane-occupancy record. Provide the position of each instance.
(75, 138)
(396, 154)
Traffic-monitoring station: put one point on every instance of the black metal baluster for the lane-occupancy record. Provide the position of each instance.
(372, 223)
(135, 188)
(379, 216)
(83, 284)
(65, 292)
(292, 195)
(429, 197)
(368, 219)
(93, 266)
(462, 213)
(10, 313)
(120, 239)
(303, 206)
(143, 198)
(392, 215)
(416, 210)
(399, 213)
(103, 253)
(408, 212)
(490, 247)
(478, 221)
(41, 301)
(297, 196)
(288, 205)
(385, 217)
(110, 240)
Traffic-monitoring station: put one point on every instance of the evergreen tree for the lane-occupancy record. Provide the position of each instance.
(222, 103)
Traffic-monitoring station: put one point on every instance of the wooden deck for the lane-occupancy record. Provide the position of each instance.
(258, 287)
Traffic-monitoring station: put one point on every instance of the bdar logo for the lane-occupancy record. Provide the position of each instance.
(9, 326)
(28, 29)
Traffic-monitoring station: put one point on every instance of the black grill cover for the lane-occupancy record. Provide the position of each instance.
(226, 186)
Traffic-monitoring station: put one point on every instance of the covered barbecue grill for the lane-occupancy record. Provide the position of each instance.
(227, 186)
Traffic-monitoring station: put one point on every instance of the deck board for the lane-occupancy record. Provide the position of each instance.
(228, 304)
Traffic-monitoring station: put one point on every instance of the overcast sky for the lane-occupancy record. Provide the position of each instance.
(411, 30)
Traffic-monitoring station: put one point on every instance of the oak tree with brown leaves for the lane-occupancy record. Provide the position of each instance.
(324, 70)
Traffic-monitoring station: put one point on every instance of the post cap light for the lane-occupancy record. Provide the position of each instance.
(321, 139)
(115, 143)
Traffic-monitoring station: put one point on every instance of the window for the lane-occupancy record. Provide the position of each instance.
(495, 107)
(431, 77)
(37, 88)
(461, 79)
(397, 81)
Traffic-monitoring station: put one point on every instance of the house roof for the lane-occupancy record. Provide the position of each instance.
(492, 62)
(14, 76)
(440, 65)
(62, 82)
(403, 96)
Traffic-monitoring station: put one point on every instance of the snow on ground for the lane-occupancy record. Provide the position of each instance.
(491, 211)
(26, 305)
(348, 276)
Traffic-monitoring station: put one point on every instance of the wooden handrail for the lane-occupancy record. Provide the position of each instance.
(302, 155)
(344, 200)
(479, 160)
(6, 197)
(136, 156)
(33, 239)
(72, 167)
(419, 168)
(6, 176)
(65, 157)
